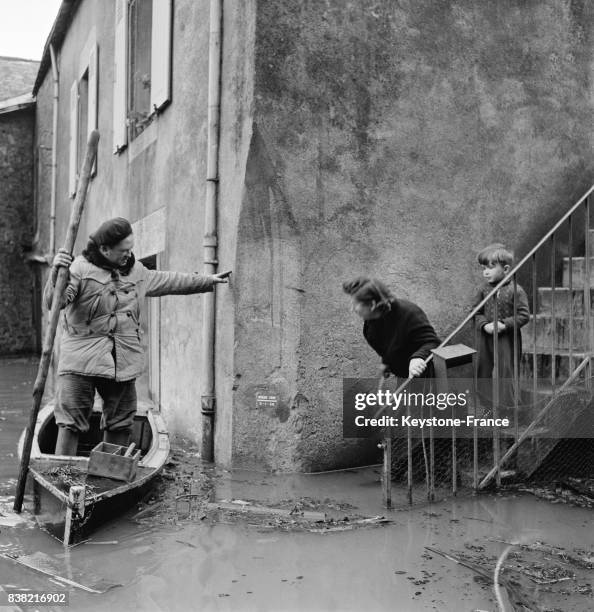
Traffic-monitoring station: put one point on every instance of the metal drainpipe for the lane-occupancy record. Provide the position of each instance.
(52, 240)
(208, 399)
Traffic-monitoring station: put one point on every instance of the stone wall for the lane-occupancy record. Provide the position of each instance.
(17, 330)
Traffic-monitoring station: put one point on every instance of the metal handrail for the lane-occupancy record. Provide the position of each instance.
(506, 278)
(485, 481)
(476, 309)
(515, 269)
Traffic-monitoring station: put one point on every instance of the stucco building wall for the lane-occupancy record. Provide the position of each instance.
(393, 140)
(162, 172)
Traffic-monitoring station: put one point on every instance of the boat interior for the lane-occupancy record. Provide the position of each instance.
(141, 435)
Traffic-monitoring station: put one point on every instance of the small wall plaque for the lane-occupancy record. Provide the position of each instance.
(266, 400)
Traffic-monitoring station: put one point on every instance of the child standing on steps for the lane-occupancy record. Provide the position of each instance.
(496, 262)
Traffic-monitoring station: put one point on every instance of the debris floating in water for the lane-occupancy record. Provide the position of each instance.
(45, 564)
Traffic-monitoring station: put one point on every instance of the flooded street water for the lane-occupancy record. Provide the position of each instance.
(204, 564)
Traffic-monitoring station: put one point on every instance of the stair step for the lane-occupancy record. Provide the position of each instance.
(530, 406)
(578, 272)
(564, 300)
(545, 390)
(555, 331)
(544, 364)
(564, 353)
(537, 432)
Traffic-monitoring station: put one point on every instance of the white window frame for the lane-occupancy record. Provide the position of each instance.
(161, 54)
(73, 156)
(89, 64)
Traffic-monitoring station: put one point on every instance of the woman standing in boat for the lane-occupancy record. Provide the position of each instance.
(100, 347)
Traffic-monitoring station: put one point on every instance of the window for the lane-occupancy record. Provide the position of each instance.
(142, 65)
(140, 114)
(83, 114)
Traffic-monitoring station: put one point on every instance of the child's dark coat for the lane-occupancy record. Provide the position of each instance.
(505, 314)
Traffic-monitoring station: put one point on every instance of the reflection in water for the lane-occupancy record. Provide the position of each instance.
(16, 387)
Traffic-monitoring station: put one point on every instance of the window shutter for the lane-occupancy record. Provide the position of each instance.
(161, 53)
(93, 82)
(92, 114)
(120, 130)
(72, 169)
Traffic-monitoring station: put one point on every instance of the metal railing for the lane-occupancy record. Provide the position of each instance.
(553, 342)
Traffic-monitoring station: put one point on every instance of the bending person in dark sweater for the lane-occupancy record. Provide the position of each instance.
(396, 329)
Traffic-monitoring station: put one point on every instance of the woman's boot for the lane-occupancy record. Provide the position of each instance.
(67, 441)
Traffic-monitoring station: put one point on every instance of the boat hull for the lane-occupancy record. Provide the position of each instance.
(69, 503)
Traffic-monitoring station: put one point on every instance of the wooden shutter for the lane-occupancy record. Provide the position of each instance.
(72, 162)
(161, 53)
(93, 90)
(120, 131)
(93, 82)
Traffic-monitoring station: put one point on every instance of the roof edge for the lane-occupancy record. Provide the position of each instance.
(56, 38)
(18, 59)
(17, 103)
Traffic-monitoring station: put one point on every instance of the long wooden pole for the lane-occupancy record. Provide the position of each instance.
(50, 333)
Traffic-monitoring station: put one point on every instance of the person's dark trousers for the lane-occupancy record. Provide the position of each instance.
(74, 405)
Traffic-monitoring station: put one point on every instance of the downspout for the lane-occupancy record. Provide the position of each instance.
(52, 240)
(208, 399)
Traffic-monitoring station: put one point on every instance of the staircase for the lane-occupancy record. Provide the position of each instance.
(555, 375)
(558, 338)
(553, 415)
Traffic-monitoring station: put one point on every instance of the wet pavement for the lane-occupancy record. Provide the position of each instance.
(183, 557)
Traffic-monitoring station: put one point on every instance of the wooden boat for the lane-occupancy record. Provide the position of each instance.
(67, 501)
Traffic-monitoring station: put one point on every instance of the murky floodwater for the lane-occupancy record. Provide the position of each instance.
(16, 385)
(201, 565)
